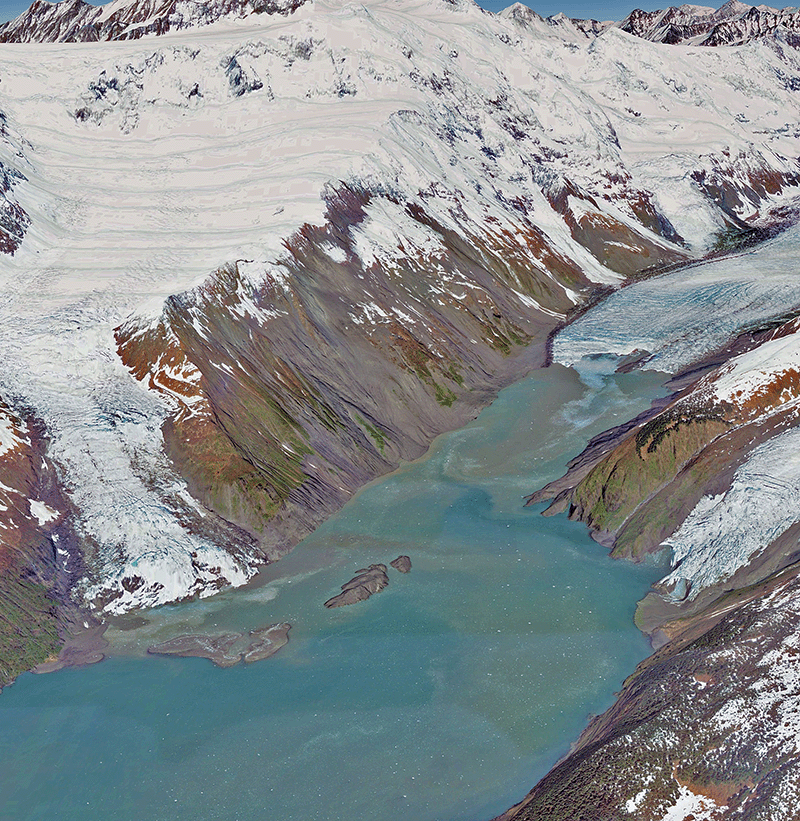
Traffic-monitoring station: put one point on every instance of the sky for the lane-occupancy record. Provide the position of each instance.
(596, 10)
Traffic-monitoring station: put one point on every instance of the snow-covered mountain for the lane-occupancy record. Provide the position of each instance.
(254, 262)
(711, 473)
(275, 255)
(732, 24)
(74, 21)
(711, 476)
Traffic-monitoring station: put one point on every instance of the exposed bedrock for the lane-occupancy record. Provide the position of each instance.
(73, 21)
(402, 564)
(40, 559)
(365, 583)
(14, 220)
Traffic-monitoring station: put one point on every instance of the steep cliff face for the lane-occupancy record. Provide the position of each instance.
(292, 385)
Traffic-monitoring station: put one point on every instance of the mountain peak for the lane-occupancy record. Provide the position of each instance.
(70, 21)
(733, 8)
(520, 13)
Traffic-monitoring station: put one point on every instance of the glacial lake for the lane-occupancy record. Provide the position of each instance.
(443, 698)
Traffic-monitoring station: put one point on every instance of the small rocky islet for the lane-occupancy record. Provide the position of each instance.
(367, 581)
(227, 649)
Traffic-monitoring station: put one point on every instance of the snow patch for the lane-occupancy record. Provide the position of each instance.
(42, 512)
(692, 805)
(10, 435)
(753, 371)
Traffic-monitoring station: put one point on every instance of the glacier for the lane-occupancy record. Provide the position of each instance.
(149, 164)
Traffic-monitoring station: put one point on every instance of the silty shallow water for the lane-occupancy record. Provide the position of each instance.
(443, 697)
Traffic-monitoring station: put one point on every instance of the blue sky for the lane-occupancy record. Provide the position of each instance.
(610, 10)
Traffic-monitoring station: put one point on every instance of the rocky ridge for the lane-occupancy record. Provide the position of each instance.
(661, 479)
(74, 21)
(734, 23)
(365, 583)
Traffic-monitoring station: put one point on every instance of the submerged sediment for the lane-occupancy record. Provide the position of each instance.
(227, 649)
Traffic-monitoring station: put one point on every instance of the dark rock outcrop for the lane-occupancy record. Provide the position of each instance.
(401, 563)
(365, 583)
(14, 221)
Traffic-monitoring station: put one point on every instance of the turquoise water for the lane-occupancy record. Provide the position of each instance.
(443, 698)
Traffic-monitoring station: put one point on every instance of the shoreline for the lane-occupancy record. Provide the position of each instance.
(670, 626)
(83, 647)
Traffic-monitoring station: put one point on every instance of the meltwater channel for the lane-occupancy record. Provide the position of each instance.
(442, 698)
